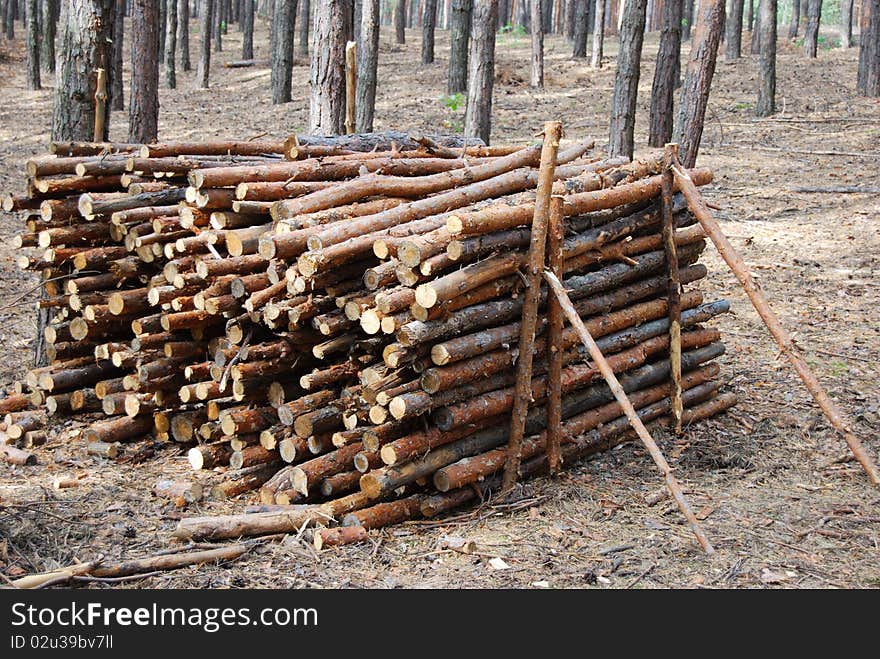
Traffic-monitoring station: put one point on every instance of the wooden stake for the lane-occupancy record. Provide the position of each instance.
(350, 85)
(673, 295)
(552, 135)
(554, 339)
(626, 406)
(100, 105)
(783, 339)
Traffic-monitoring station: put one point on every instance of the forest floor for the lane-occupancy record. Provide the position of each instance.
(770, 480)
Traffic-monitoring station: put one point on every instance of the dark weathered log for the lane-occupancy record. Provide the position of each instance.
(478, 467)
(574, 377)
(440, 378)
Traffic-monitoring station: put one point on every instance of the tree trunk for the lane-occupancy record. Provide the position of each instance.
(327, 75)
(733, 37)
(626, 81)
(117, 88)
(368, 63)
(766, 104)
(598, 34)
(571, 10)
(579, 45)
(869, 50)
(795, 17)
(8, 11)
(160, 24)
(459, 38)
(357, 18)
(305, 17)
(183, 34)
(429, 21)
(87, 29)
(32, 45)
(811, 29)
(217, 19)
(846, 12)
(205, 24)
(755, 45)
(247, 29)
(536, 78)
(281, 48)
(481, 70)
(400, 21)
(143, 108)
(171, 44)
(50, 21)
(666, 75)
(688, 20)
(698, 80)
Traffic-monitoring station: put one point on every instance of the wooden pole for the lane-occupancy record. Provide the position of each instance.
(350, 85)
(100, 105)
(674, 285)
(554, 339)
(552, 135)
(626, 405)
(783, 339)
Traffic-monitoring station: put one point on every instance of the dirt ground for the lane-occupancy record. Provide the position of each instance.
(770, 480)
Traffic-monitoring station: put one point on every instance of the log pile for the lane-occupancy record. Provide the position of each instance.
(334, 322)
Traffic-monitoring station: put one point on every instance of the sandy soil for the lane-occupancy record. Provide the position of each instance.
(769, 480)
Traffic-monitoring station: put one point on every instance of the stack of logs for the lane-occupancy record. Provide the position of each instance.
(335, 321)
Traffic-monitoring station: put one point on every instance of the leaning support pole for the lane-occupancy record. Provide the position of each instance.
(786, 345)
(626, 406)
(523, 390)
(673, 294)
(555, 319)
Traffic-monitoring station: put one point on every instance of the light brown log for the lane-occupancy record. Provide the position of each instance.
(385, 514)
(103, 450)
(208, 456)
(120, 429)
(498, 218)
(341, 535)
(168, 489)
